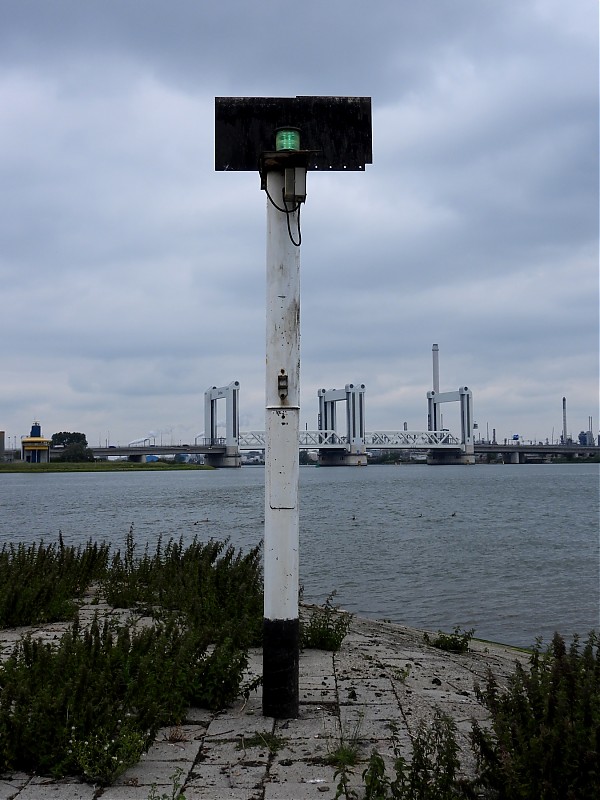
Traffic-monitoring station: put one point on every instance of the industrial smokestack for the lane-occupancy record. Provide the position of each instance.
(436, 368)
(564, 441)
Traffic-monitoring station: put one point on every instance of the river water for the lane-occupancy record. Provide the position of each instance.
(510, 550)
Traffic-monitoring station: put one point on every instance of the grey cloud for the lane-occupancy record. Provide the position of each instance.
(476, 225)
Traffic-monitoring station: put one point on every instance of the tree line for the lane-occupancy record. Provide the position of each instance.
(74, 446)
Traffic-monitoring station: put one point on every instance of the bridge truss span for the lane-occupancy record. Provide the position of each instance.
(378, 440)
(307, 440)
(411, 440)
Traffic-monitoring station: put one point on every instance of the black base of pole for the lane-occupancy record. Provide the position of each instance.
(281, 661)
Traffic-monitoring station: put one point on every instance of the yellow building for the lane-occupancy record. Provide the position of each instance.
(35, 448)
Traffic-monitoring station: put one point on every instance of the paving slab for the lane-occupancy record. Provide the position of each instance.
(233, 726)
(11, 785)
(178, 743)
(300, 791)
(227, 776)
(57, 790)
(130, 792)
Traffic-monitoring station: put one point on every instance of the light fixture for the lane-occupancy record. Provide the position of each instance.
(287, 139)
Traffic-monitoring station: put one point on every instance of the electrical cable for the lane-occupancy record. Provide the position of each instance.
(287, 217)
(287, 211)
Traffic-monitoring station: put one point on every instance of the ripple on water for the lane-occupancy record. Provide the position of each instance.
(511, 551)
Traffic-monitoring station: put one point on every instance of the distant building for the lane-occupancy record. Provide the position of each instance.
(35, 448)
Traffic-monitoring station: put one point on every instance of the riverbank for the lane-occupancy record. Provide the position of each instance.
(373, 694)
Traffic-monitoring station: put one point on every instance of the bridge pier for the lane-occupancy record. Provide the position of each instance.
(231, 458)
(446, 458)
(342, 458)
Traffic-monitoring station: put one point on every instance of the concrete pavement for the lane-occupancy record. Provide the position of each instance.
(374, 692)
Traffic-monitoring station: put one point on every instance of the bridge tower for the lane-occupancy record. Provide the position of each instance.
(434, 417)
(465, 397)
(355, 454)
(230, 393)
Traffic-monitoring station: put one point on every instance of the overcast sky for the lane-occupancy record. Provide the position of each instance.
(133, 275)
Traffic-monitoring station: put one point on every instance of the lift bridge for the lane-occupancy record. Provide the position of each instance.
(339, 448)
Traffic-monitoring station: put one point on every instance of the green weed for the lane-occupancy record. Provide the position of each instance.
(455, 642)
(326, 627)
(401, 675)
(93, 702)
(175, 789)
(102, 756)
(344, 756)
(432, 773)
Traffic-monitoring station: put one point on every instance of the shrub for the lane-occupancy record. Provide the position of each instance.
(39, 583)
(93, 703)
(211, 585)
(217, 678)
(544, 742)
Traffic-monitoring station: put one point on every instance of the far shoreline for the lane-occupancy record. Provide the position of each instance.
(98, 466)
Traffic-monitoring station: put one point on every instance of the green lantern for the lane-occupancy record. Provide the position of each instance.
(287, 139)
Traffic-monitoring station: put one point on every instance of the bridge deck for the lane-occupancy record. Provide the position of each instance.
(329, 440)
(308, 440)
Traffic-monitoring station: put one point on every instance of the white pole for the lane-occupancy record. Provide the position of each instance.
(281, 570)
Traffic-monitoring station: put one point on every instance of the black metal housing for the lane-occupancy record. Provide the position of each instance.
(335, 132)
